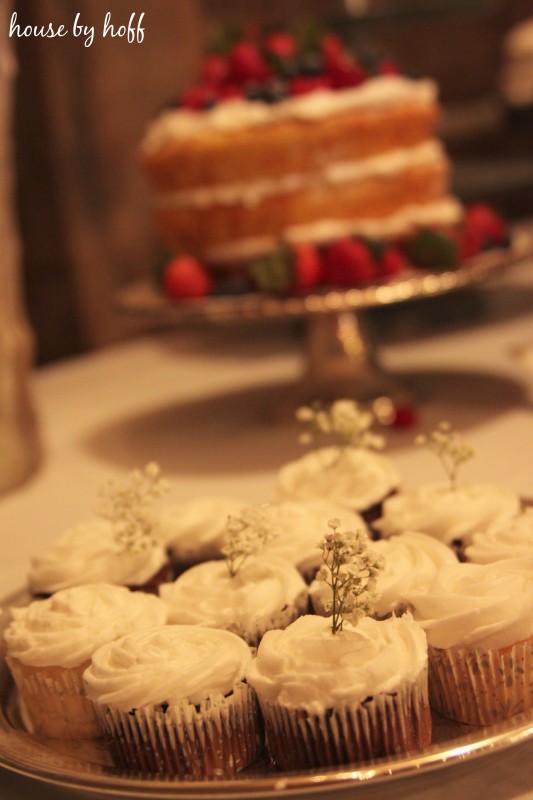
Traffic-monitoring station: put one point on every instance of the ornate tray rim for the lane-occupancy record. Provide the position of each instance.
(141, 298)
(22, 753)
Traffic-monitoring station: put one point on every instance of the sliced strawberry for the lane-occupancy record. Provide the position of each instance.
(307, 266)
(303, 84)
(214, 70)
(247, 64)
(348, 262)
(185, 277)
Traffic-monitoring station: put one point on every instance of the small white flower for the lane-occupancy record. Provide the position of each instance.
(449, 449)
(247, 534)
(344, 419)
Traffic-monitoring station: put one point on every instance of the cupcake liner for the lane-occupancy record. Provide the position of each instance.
(54, 700)
(216, 739)
(382, 725)
(481, 687)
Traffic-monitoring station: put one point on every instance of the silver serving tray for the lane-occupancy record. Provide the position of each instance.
(86, 765)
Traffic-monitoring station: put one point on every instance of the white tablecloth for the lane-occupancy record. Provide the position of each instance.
(201, 402)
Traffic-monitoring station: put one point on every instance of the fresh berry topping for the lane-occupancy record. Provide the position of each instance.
(199, 98)
(344, 72)
(433, 249)
(305, 84)
(331, 46)
(230, 92)
(281, 45)
(392, 262)
(348, 262)
(185, 277)
(482, 219)
(403, 417)
(247, 64)
(214, 70)
(307, 267)
(385, 66)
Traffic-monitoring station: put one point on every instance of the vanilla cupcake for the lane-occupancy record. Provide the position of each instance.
(348, 473)
(479, 623)
(411, 562)
(342, 698)
(266, 592)
(511, 539)
(91, 553)
(173, 701)
(451, 515)
(194, 530)
(300, 525)
(49, 645)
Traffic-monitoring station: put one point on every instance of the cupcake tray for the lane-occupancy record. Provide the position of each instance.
(86, 765)
(339, 355)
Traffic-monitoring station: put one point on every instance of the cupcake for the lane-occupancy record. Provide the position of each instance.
(91, 553)
(346, 688)
(479, 624)
(450, 512)
(49, 644)
(300, 525)
(411, 562)
(349, 473)
(266, 592)
(194, 530)
(173, 701)
(511, 539)
(121, 546)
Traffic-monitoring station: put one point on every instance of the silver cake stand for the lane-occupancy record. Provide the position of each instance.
(339, 359)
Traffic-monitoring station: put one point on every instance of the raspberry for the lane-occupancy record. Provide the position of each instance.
(214, 70)
(311, 83)
(184, 277)
(307, 266)
(247, 63)
(348, 262)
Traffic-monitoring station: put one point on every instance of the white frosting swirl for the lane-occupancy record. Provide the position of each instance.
(478, 605)
(306, 666)
(89, 553)
(356, 479)
(66, 628)
(251, 601)
(448, 514)
(301, 525)
(239, 114)
(171, 664)
(195, 530)
(513, 539)
(412, 561)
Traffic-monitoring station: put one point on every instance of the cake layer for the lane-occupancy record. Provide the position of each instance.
(241, 141)
(197, 229)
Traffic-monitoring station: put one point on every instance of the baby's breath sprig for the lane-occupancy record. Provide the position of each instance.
(247, 534)
(350, 569)
(449, 448)
(343, 419)
(129, 508)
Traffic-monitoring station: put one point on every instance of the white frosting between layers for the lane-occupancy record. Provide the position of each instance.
(513, 539)
(307, 667)
(195, 529)
(207, 595)
(239, 114)
(447, 211)
(251, 193)
(481, 606)
(172, 664)
(358, 479)
(89, 553)
(66, 628)
(448, 514)
(412, 561)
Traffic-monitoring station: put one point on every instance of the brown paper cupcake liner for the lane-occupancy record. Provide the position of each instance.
(382, 725)
(481, 687)
(216, 739)
(54, 700)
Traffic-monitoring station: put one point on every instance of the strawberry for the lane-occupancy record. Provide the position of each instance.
(386, 66)
(281, 45)
(482, 219)
(214, 70)
(331, 46)
(348, 262)
(307, 266)
(199, 97)
(184, 277)
(392, 261)
(303, 84)
(247, 63)
(404, 416)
